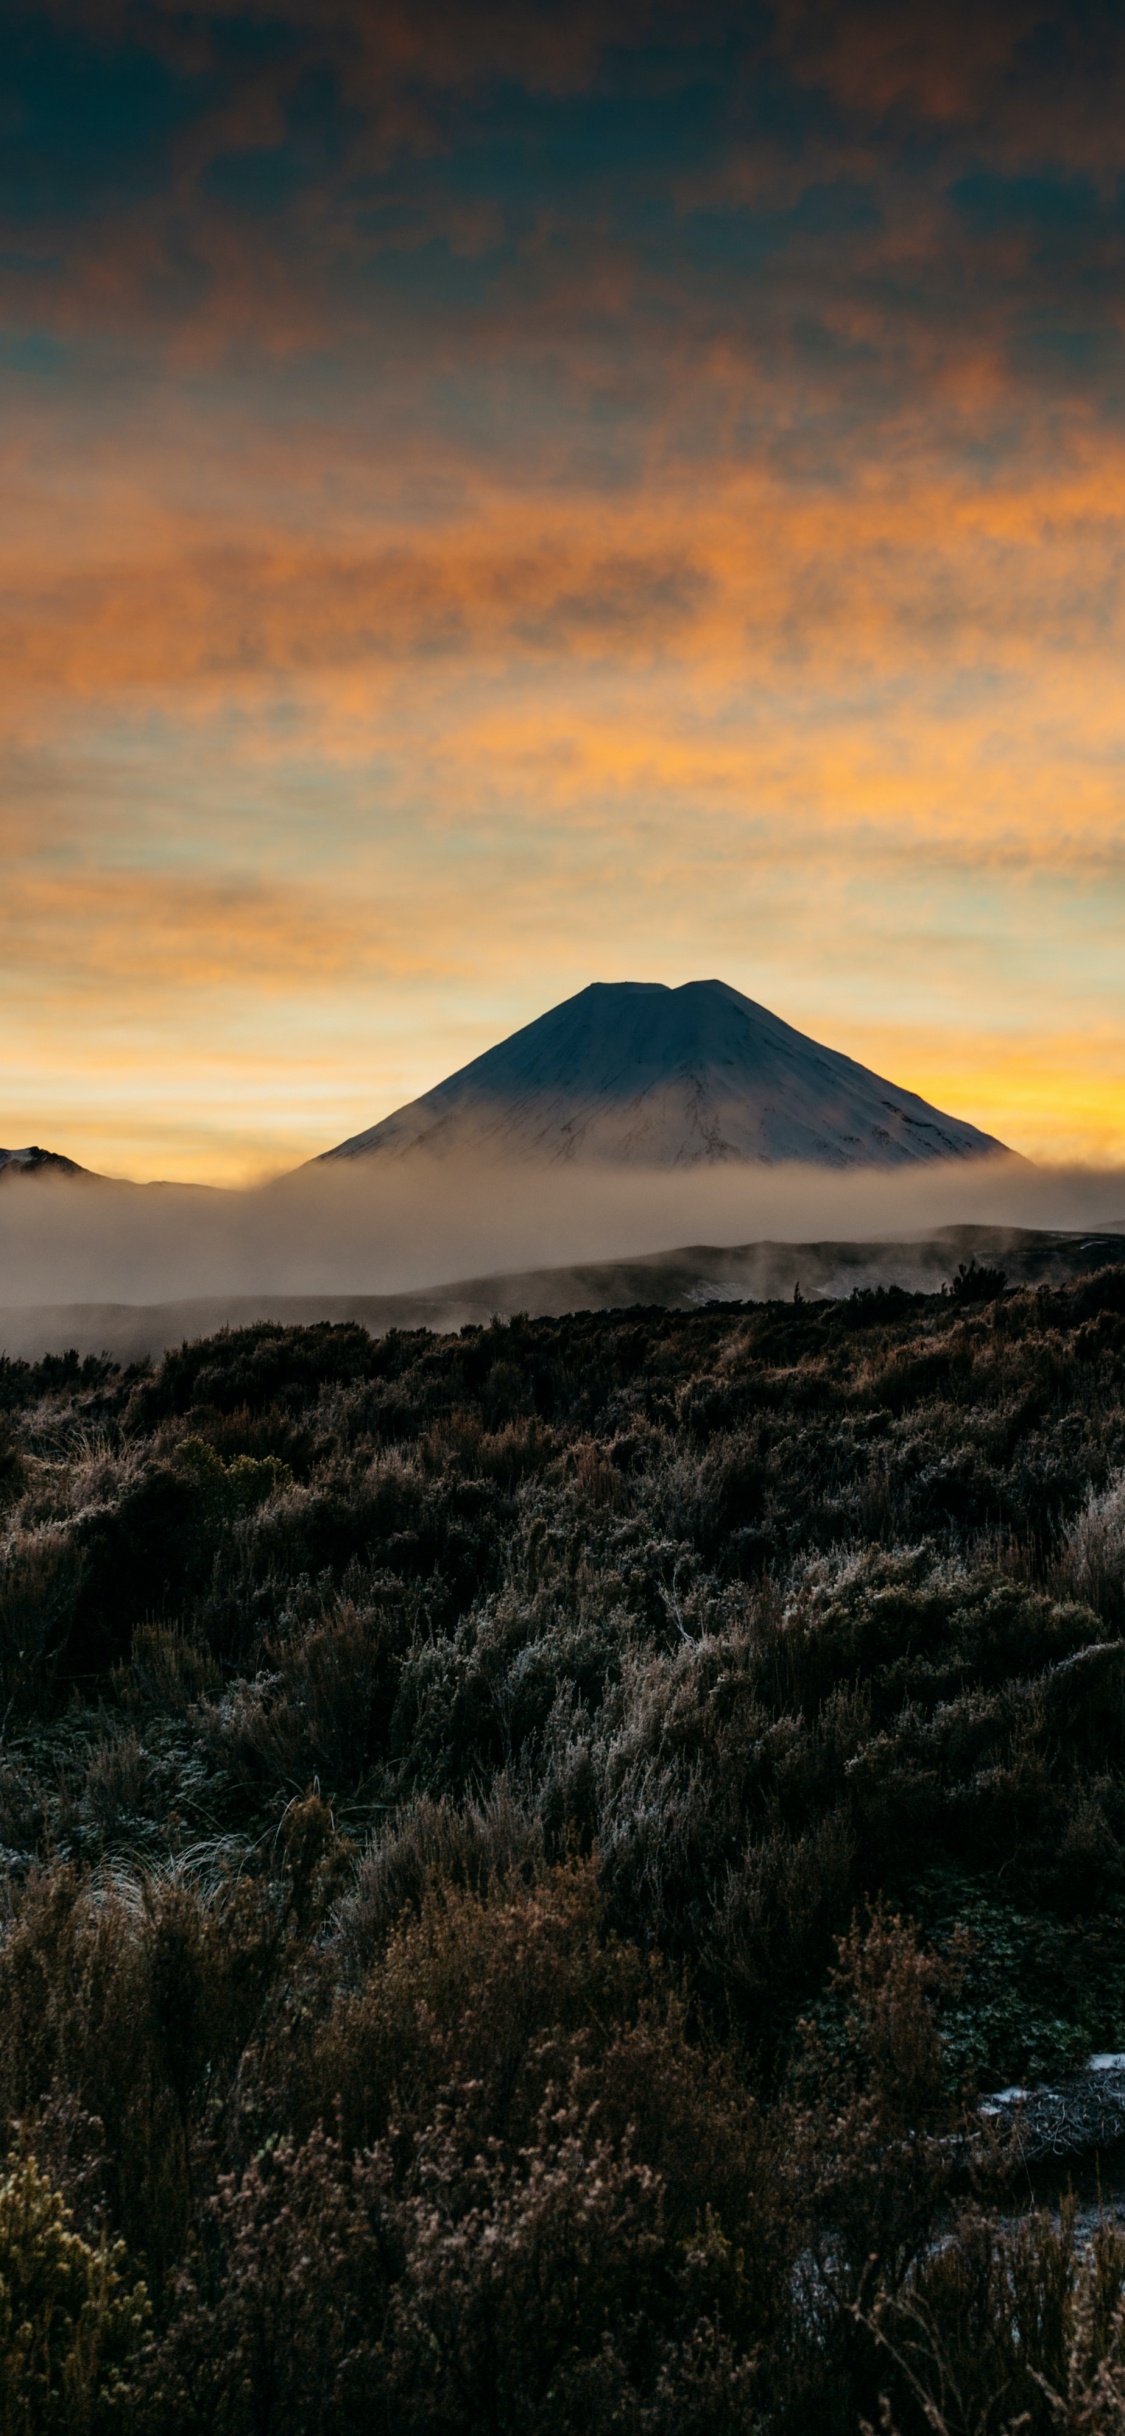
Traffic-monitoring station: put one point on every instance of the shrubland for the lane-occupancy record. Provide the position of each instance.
(520, 1852)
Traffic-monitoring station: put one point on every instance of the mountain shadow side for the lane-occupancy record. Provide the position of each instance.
(634, 1073)
(34, 1161)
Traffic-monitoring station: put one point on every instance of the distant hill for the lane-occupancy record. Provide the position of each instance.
(634, 1073)
(37, 1162)
(687, 1279)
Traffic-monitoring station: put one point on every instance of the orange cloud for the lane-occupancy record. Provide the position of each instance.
(738, 568)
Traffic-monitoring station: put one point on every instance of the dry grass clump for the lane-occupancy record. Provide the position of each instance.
(1092, 1557)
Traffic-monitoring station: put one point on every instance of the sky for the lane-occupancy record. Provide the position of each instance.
(499, 497)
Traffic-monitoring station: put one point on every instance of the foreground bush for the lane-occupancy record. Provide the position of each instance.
(1009, 2331)
(70, 2330)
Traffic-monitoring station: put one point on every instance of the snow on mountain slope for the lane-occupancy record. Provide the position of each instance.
(635, 1073)
(35, 1162)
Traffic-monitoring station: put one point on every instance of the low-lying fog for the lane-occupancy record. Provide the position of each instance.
(378, 1228)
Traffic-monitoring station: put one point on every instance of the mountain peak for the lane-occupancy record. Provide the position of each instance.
(642, 1074)
(35, 1161)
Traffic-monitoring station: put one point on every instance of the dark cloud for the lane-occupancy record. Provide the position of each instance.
(300, 175)
(87, 124)
(561, 218)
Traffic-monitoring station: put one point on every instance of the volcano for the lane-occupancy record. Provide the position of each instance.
(636, 1074)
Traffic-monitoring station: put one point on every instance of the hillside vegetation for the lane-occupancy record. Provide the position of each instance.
(520, 1850)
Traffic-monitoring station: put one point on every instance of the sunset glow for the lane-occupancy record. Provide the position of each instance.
(500, 498)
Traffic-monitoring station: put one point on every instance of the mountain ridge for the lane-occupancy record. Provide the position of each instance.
(641, 1074)
(35, 1161)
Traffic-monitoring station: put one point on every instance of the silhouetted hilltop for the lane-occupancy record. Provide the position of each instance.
(36, 1162)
